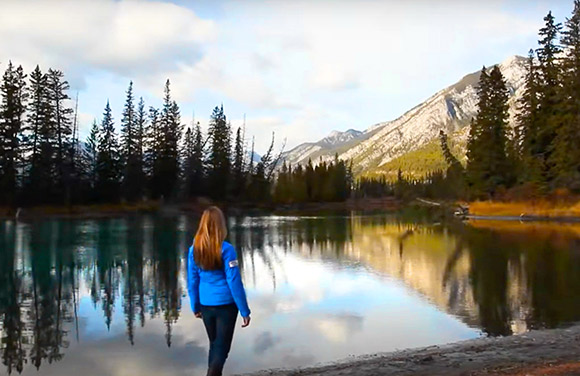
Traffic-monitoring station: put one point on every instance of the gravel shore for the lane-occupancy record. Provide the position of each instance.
(542, 352)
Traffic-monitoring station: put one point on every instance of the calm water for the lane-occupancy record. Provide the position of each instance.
(108, 297)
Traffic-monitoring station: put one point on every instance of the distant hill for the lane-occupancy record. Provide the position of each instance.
(382, 147)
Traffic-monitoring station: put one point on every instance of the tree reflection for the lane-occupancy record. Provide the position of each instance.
(496, 278)
(13, 352)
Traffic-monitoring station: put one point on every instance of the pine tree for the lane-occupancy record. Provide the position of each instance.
(38, 135)
(187, 157)
(197, 165)
(501, 166)
(140, 142)
(476, 154)
(91, 154)
(453, 163)
(219, 163)
(548, 115)
(193, 162)
(131, 155)
(61, 121)
(527, 128)
(108, 160)
(488, 166)
(283, 183)
(152, 150)
(12, 111)
(566, 151)
(166, 169)
(309, 180)
(238, 168)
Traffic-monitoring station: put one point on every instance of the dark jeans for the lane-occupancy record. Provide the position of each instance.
(220, 322)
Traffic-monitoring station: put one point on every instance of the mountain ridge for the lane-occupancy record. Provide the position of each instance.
(449, 109)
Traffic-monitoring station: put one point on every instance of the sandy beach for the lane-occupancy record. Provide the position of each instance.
(542, 352)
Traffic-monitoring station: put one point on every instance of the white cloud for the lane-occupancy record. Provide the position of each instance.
(128, 38)
(298, 68)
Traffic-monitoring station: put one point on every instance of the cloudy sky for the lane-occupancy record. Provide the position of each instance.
(299, 68)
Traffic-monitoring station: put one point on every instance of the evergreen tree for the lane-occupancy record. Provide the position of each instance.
(187, 157)
(283, 183)
(39, 135)
(455, 172)
(152, 149)
(131, 155)
(527, 128)
(488, 166)
(238, 168)
(140, 143)
(193, 162)
(91, 154)
(12, 110)
(108, 159)
(219, 162)
(566, 150)
(501, 166)
(166, 167)
(548, 115)
(477, 156)
(60, 120)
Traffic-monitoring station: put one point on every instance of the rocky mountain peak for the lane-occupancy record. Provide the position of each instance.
(450, 110)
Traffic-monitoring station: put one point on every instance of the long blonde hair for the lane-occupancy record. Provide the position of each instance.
(207, 244)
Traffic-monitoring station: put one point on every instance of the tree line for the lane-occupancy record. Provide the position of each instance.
(541, 153)
(152, 155)
(330, 181)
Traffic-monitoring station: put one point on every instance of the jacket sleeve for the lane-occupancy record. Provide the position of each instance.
(232, 271)
(193, 282)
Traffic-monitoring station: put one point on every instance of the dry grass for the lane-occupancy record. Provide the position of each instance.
(540, 230)
(541, 207)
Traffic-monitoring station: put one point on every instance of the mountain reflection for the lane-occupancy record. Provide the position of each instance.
(501, 278)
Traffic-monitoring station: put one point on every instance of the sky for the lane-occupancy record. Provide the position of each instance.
(300, 69)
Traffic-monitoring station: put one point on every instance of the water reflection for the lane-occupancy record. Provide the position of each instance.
(323, 287)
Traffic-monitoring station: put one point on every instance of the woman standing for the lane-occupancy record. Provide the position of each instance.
(215, 287)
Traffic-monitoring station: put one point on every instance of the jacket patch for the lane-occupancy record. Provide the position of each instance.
(233, 263)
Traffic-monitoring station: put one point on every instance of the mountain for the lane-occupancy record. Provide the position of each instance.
(328, 147)
(450, 110)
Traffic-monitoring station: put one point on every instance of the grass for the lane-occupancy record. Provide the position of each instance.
(420, 162)
(540, 207)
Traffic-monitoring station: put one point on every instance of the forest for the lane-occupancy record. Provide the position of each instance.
(154, 156)
(536, 157)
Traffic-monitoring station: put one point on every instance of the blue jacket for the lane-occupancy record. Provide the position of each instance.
(217, 287)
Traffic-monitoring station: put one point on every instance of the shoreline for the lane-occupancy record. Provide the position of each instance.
(480, 211)
(540, 352)
(118, 210)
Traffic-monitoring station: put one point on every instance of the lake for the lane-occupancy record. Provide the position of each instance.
(108, 296)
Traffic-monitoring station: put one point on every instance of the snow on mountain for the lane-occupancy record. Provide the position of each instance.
(450, 109)
(335, 142)
(336, 137)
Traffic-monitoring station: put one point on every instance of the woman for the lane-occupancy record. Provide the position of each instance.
(215, 287)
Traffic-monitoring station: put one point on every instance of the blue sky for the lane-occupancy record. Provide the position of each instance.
(297, 68)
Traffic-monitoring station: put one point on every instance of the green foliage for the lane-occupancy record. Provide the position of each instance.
(327, 182)
(108, 160)
(12, 111)
(418, 163)
(166, 167)
(565, 159)
(488, 167)
(219, 162)
(132, 126)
